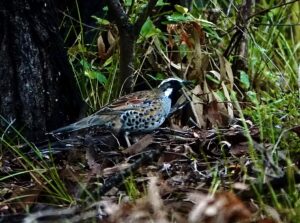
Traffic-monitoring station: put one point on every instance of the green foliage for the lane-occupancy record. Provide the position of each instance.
(43, 172)
(244, 79)
(131, 188)
(190, 43)
(93, 73)
(273, 51)
(149, 30)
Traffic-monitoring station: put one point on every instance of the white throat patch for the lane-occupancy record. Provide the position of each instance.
(168, 92)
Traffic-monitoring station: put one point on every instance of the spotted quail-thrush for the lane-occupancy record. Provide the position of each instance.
(141, 111)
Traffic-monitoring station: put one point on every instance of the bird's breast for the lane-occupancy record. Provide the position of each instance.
(147, 118)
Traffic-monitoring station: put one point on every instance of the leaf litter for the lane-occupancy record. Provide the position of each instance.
(199, 167)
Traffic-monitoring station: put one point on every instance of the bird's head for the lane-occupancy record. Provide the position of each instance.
(171, 86)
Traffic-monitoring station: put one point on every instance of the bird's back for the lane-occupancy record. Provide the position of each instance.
(139, 111)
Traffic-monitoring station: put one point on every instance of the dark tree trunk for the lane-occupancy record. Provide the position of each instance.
(37, 86)
(241, 63)
(128, 35)
(238, 43)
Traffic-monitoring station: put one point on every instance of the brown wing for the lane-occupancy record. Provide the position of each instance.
(128, 102)
(110, 112)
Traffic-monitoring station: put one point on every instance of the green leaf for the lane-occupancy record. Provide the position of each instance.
(101, 77)
(244, 79)
(160, 76)
(221, 95)
(253, 97)
(212, 78)
(93, 74)
(85, 64)
(161, 3)
(108, 61)
(128, 3)
(90, 74)
(181, 9)
(149, 29)
(101, 21)
(178, 17)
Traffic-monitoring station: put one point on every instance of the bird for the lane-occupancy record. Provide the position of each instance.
(138, 112)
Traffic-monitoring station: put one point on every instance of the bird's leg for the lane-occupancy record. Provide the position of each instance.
(126, 134)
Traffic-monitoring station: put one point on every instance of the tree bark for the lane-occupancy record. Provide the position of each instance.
(238, 43)
(128, 35)
(37, 86)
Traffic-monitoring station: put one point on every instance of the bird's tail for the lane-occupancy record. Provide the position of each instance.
(93, 120)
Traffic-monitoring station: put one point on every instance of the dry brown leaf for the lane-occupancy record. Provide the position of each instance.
(223, 207)
(93, 165)
(229, 73)
(214, 114)
(110, 38)
(155, 200)
(139, 146)
(197, 106)
(26, 195)
(101, 47)
(115, 169)
(185, 38)
(171, 29)
(178, 67)
(228, 103)
(199, 58)
(192, 35)
(240, 149)
(222, 67)
(226, 71)
(199, 31)
(147, 209)
(267, 220)
(222, 109)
